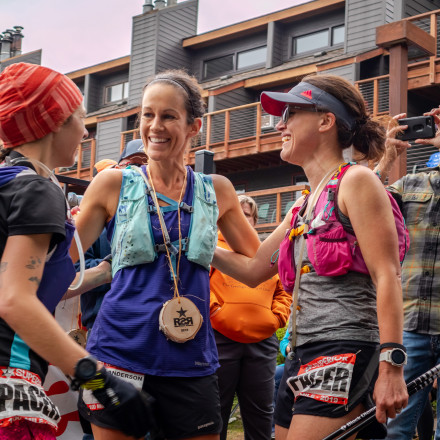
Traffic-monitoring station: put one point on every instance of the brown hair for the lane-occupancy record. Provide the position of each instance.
(189, 87)
(252, 203)
(368, 135)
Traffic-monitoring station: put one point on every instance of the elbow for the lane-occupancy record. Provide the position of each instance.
(9, 306)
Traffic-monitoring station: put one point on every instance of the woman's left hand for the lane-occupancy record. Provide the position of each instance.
(390, 392)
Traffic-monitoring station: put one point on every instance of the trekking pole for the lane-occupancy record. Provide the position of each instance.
(368, 416)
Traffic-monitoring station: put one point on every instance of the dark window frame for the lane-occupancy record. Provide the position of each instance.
(292, 41)
(235, 69)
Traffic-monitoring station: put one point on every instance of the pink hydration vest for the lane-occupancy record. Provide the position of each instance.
(331, 249)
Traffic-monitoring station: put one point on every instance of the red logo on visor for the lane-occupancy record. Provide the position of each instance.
(307, 94)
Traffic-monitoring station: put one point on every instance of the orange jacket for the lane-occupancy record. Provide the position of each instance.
(246, 314)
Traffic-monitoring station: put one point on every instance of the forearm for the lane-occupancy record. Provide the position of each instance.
(42, 333)
(93, 277)
(390, 309)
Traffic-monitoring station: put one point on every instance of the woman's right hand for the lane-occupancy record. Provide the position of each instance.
(393, 147)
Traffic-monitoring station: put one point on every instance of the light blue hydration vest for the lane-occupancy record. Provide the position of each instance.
(132, 241)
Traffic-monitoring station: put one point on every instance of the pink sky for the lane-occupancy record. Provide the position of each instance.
(79, 33)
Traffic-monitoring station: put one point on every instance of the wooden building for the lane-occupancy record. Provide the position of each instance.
(387, 48)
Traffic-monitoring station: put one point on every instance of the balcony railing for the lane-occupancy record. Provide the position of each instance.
(273, 204)
(84, 161)
(228, 129)
(376, 94)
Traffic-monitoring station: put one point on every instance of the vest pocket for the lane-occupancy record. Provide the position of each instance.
(329, 250)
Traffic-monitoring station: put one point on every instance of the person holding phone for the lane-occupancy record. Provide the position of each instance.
(419, 198)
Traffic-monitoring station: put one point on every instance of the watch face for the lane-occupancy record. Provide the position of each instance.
(398, 356)
(86, 369)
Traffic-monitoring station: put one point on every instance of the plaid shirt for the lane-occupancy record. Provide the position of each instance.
(419, 198)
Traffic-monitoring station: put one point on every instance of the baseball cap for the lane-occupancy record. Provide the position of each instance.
(306, 96)
(433, 161)
(133, 147)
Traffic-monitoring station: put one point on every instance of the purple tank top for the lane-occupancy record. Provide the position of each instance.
(126, 331)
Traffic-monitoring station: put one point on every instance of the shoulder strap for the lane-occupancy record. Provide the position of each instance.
(336, 191)
(302, 243)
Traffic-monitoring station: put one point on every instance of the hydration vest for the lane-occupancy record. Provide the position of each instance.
(332, 248)
(133, 241)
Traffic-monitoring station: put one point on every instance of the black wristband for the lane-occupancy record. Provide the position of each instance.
(108, 258)
(392, 345)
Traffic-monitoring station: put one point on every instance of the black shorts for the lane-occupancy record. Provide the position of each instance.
(362, 383)
(184, 407)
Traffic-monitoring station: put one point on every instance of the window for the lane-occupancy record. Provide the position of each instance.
(218, 66)
(251, 57)
(307, 43)
(230, 63)
(318, 40)
(338, 35)
(117, 92)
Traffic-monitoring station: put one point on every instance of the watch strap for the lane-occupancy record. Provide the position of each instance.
(392, 345)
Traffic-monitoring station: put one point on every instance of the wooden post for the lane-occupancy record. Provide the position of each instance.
(92, 157)
(258, 129)
(398, 96)
(208, 131)
(227, 132)
(396, 37)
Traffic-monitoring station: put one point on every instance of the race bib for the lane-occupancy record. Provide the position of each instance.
(326, 378)
(22, 396)
(136, 379)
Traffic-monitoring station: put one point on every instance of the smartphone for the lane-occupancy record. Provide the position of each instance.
(419, 127)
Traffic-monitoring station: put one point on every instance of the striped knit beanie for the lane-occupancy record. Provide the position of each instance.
(34, 101)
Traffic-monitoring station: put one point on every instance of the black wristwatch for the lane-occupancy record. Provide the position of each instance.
(85, 369)
(396, 356)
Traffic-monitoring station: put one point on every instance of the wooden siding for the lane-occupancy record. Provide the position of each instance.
(157, 43)
(362, 18)
(30, 57)
(348, 72)
(278, 44)
(92, 94)
(390, 11)
(109, 138)
(415, 7)
(175, 24)
(143, 54)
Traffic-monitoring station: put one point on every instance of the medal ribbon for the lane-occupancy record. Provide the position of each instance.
(163, 227)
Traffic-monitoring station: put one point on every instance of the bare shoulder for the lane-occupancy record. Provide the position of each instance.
(103, 191)
(359, 178)
(221, 184)
(360, 188)
(110, 180)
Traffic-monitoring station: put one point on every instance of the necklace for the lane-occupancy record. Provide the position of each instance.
(179, 319)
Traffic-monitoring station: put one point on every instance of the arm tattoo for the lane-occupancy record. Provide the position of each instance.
(34, 263)
(36, 280)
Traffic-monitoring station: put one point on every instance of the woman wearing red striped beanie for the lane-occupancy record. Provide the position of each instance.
(41, 125)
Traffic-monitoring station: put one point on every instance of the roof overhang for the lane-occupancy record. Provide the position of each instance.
(260, 23)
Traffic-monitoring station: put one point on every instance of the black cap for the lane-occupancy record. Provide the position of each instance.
(133, 147)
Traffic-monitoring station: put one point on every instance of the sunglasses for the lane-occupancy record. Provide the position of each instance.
(285, 116)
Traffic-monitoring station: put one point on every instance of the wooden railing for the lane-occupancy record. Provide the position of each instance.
(376, 94)
(84, 162)
(227, 128)
(273, 204)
